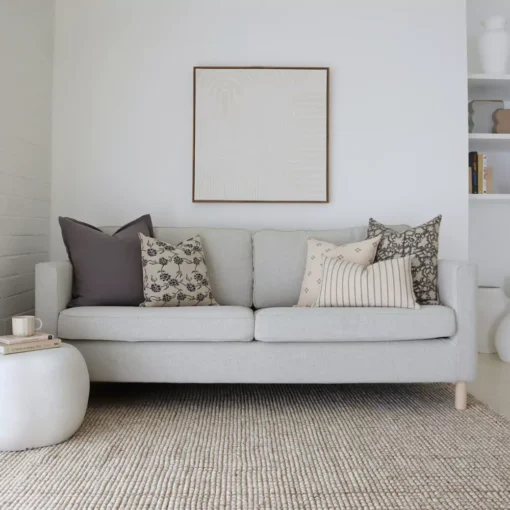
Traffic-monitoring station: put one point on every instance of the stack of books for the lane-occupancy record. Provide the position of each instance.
(11, 344)
(480, 176)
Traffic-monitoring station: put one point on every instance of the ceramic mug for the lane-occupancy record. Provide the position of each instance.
(24, 325)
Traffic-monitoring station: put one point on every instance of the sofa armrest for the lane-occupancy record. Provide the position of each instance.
(457, 282)
(53, 284)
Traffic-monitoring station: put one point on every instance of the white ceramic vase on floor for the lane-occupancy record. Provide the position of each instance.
(503, 339)
(502, 336)
(493, 306)
(493, 45)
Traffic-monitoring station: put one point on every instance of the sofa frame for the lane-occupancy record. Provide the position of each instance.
(447, 359)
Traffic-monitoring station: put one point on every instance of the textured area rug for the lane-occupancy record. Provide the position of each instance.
(269, 447)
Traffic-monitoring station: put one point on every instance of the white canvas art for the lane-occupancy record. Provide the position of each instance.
(260, 135)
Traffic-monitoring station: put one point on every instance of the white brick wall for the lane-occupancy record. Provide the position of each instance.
(26, 59)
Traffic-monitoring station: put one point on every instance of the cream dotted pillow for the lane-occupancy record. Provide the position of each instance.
(361, 253)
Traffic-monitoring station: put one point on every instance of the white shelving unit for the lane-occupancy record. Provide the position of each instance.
(483, 142)
(492, 197)
(489, 86)
(484, 80)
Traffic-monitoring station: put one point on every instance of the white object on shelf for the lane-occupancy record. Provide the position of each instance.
(44, 397)
(493, 45)
(492, 307)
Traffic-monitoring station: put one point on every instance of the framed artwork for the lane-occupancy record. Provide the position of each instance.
(260, 134)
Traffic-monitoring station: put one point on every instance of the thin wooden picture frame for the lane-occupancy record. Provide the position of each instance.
(327, 157)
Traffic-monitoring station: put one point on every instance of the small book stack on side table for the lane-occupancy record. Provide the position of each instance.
(11, 344)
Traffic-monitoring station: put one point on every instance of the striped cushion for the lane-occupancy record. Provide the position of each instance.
(362, 253)
(388, 283)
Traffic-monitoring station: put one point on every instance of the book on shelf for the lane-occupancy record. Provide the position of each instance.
(473, 164)
(38, 345)
(487, 180)
(480, 175)
(11, 339)
(482, 165)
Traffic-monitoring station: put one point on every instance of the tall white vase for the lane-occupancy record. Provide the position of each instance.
(492, 306)
(493, 45)
(503, 339)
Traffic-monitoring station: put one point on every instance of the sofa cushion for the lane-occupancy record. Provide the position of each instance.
(175, 275)
(228, 253)
(360, 253)
(423, 243)
(107, 269)
(388, 283)
(279, 260)
(130, 324)
(353, 324)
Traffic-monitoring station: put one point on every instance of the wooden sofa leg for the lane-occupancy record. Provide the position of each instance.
(460, 396)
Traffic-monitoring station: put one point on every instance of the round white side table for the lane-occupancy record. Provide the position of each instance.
(44, 396)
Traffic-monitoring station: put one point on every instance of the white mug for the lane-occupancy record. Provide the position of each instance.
(24, 325)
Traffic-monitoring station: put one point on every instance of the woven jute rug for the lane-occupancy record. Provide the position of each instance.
(269, 447)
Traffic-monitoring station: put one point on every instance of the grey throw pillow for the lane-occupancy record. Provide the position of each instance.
(422, 241)
(107, 269)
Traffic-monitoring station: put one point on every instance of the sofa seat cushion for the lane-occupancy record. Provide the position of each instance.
(353, 324)
(133, 324)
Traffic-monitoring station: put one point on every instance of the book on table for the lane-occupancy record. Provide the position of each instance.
(11, 344)
(38, 345)
(11, 339)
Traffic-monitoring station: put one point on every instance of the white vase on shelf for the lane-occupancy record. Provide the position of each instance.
(493, 45)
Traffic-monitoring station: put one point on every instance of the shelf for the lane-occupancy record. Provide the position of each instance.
(490, 197)
(484, 80)
(482, 142)
(489, 86)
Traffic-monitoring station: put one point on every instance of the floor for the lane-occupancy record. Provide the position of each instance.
(492, 385)
(261, 447)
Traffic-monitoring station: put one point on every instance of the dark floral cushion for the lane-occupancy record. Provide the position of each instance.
(422, 241)
(175, 275)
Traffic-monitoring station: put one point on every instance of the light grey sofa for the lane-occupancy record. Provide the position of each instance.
(257, 335)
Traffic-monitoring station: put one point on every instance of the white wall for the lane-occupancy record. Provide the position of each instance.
(489, 235)
(26, 47)
(122, 137)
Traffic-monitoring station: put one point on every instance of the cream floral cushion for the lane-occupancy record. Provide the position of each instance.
(361, 253)
(174, 275)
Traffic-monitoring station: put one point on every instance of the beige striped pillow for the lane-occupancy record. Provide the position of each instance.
(387, 284)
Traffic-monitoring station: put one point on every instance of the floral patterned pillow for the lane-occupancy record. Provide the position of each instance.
(174, 275)
(422, 241)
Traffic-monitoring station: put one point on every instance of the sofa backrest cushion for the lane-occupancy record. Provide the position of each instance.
(279, 259)
(228, 255)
